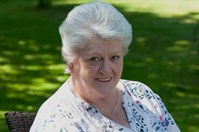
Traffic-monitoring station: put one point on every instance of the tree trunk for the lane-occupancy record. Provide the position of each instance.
(44, 3)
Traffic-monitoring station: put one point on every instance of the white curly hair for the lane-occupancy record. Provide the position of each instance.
(93, 19)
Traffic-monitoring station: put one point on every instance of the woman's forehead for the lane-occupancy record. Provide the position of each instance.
(99, 45)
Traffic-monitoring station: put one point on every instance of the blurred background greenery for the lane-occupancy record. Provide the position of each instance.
(164, 53)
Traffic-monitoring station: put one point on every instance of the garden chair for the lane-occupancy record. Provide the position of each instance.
(19, 121)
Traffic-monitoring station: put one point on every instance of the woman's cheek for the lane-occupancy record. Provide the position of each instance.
(91, 70)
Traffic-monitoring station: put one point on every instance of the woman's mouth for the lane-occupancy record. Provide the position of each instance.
(104, 79)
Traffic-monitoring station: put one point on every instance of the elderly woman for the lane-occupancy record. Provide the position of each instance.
(95, 39)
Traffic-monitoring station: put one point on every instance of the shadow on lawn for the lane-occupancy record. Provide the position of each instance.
(163, 55)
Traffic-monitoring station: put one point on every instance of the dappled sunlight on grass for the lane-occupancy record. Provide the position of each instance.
(164, 54)
(180, 46)
(165, 57)
(167, 9)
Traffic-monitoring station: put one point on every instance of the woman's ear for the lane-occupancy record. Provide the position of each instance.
(70, 67)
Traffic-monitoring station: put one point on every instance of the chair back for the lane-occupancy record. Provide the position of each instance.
(19, 121)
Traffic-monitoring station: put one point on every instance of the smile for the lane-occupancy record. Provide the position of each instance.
(104, 79)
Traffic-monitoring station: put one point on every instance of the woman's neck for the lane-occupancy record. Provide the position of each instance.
(110, 105)
(105, 104)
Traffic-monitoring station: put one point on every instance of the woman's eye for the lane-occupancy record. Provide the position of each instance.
(116, 57)
(94, 59)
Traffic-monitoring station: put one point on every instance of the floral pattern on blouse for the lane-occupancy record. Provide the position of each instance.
(64, 112)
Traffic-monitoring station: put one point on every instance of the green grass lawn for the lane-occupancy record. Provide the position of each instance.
(164, 53)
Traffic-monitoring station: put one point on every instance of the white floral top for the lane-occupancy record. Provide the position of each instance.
(64, 112)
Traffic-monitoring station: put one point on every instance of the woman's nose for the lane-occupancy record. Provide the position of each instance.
(105, 67)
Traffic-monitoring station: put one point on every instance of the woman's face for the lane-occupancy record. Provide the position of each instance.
(98, 67)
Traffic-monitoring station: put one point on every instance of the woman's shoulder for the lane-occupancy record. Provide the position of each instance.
(48, 111)
(57, 98)
(133, 84)
(137, 88)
